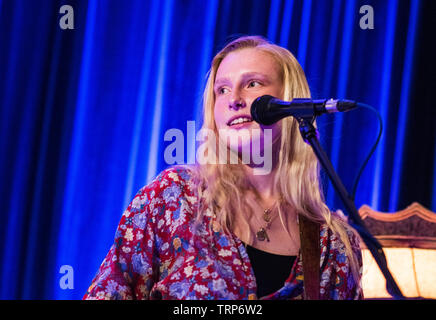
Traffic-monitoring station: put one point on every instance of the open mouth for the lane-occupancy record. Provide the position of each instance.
(239, 119)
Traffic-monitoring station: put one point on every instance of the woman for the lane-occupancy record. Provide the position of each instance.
(223, 231)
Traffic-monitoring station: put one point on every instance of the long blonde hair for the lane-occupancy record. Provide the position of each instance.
(222, 187)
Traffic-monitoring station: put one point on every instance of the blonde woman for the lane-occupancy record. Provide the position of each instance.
(230, 230)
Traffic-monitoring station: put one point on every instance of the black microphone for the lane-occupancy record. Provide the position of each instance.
(267, 109)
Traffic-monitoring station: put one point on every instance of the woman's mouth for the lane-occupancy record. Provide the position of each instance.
(239, 121)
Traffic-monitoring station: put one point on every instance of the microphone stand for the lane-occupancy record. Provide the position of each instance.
(310, 136)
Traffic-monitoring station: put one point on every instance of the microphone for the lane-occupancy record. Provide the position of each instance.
(267, 109)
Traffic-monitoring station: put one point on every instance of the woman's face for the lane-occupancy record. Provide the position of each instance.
(243, 76)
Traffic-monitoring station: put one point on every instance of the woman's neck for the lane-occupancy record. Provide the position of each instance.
(264, 182)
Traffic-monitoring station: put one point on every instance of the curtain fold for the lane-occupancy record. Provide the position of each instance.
(84, 111)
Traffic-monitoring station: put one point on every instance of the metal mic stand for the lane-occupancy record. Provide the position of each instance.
(310, 136)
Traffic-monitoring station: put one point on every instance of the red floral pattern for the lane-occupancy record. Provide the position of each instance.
(157, 255)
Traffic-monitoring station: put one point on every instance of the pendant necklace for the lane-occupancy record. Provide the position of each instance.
(261, 234)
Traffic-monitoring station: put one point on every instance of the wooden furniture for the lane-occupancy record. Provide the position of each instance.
(408, 238)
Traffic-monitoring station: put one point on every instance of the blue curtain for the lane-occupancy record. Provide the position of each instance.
(83, 111)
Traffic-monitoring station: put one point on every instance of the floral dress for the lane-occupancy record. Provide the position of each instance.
(160, 252)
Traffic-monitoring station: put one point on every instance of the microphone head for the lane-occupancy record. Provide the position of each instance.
(346, 105)
(259, 110)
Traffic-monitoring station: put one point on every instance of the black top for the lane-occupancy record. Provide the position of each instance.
(270, 270)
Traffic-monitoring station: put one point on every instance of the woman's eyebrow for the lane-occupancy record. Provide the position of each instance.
(245, 76)
(249, 75)
(221, 81)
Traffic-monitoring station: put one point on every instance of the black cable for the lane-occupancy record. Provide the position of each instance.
(356, 180)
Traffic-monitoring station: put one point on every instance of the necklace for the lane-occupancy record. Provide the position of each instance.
(261, 234)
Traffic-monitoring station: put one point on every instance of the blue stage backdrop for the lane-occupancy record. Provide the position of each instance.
(84, 111)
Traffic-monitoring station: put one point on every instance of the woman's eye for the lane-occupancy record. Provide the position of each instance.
(253, 84)
(223, 90)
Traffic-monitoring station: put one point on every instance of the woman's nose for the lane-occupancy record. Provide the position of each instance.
(237, 103)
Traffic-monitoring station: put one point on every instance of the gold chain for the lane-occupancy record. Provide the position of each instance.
(262, 234)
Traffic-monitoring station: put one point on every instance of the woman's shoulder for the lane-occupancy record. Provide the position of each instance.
(172, 177)
(174, 174)
(171, 188)
(334, 241)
